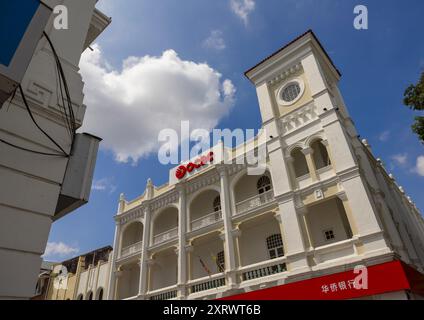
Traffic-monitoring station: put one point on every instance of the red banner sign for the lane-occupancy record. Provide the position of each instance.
(388, 277)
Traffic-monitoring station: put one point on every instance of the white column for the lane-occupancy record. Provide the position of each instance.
(308, 152)
(280, 172)
(294, 244)
(182, 254)
(341, 151)
(112, 278)
(230, 261)
(144, 253)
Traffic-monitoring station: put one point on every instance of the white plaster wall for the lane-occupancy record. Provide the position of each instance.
(165, 220)
(82, 283)
(246, 188)
(29, 183)
(164, 270)
(133, 233)
(205, 251)
(202, 204)
(326, 216)
(253, 246)
(128, 282)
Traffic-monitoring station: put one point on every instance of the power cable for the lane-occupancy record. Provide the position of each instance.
(37, 125)
(32, 151)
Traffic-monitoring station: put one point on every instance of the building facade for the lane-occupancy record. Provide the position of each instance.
(323, 205)
(33, 171)
(85, 277)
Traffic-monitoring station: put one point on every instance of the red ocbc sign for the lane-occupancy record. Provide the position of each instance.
(189, 168)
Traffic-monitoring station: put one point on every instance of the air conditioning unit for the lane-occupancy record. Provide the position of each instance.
(79, 173)
(21, 27)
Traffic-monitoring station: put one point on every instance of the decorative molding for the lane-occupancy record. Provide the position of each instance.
(236, 233)
(319, 195)
(202, 181)
(342, 195)
(40, 93)
(164, 200)
(286, 73)
(133, 214)
(307, 150)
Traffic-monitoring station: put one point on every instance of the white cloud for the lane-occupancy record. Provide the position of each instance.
(128, 108)
(215, 41)
(400, 159)
(384, 136)
(59, 250)
(419, 168)
(243, 8)
(105, 184)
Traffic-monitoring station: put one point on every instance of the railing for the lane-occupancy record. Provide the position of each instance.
(208, 283)
(334, 251)
(165, 236)
(254, 202)
(132, 249)
(264, 269)
(206, 220)
(168, 293)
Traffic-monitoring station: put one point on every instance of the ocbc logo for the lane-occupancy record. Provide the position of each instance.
(202, 161)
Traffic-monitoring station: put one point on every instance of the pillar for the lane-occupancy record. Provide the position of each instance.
(182, 254)
(308, 152)
(230, 261)
(115, 254)
(144, 253)
(294, 244)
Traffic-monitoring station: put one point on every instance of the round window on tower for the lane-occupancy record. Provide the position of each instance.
(291, 92)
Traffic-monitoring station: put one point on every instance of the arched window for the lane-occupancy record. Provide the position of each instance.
(264, 184)
(90, 296)
(100, 294)
(80, 297)
(274, 244)
(220, 261)
(217, 208)
(217, 204)
(299, 163)
(320, 155)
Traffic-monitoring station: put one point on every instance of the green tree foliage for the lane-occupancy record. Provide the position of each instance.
(414, 99)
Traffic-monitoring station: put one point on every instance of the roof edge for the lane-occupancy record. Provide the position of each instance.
(310, 31)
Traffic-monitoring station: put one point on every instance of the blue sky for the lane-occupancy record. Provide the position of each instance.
(377, 65)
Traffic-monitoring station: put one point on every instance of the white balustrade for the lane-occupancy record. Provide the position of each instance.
(166, 236)
(132, 249)
(254, 202)
(206, 220)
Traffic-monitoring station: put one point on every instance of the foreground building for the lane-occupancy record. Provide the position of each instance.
(324, 205)
(40, 182)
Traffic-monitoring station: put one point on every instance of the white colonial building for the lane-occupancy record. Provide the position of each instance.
(323, 205)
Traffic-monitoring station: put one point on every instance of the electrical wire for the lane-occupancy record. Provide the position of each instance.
(68, 113)
(10, 100)
(22, 148)
(71, 118)
(32, 151)
(37, 125)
